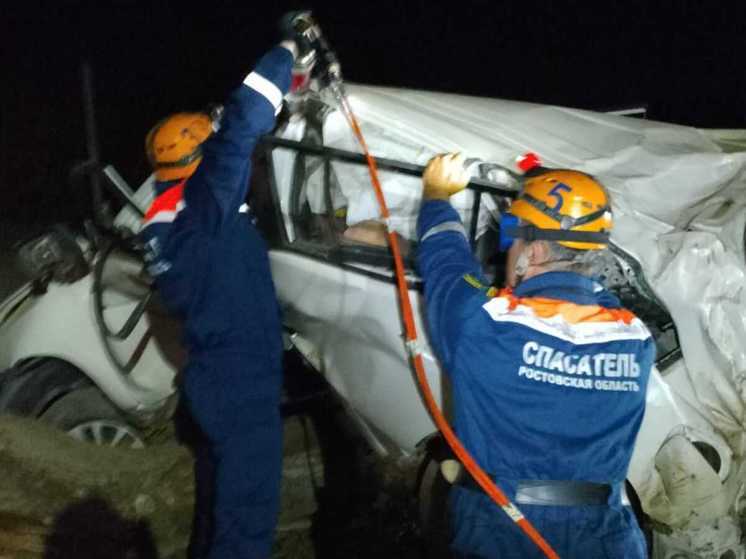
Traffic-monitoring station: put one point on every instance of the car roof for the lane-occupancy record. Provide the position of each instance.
(658, 168)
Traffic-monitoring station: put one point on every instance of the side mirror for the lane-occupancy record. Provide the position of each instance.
(55, 255)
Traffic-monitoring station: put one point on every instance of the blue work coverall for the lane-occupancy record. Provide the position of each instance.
(548, 383)
(212, 269)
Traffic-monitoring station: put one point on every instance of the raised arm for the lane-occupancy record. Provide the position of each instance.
(217, 189)
(454, 284)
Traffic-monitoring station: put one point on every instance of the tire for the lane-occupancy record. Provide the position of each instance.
(30, 387)
(87, 415)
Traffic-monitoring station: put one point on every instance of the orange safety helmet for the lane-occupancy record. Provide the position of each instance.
(173, 145)
(565, 206)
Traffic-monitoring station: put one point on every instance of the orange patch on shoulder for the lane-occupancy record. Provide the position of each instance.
(573, 313)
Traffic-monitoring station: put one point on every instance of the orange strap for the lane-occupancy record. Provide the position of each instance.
(484, 481)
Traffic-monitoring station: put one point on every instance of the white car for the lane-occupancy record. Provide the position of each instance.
(679, 199)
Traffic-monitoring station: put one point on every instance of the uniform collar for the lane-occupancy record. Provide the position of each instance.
(567, 286)
(161, 186)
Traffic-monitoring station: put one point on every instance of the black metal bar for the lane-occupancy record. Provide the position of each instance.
(276, 202)
(328, 190)
(474, 218)
(100, 208)
(384, 164)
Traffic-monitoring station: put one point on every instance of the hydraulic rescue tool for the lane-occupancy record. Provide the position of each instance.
(328, 71)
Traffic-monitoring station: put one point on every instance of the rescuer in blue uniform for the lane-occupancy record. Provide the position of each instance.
(212, 269)
(549, 377)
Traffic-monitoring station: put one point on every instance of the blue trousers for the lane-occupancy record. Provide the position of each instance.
(482, 531)
(243, 428)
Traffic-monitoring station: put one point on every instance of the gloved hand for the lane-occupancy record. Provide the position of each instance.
(444, 176)
(300, 27)
(314, 52)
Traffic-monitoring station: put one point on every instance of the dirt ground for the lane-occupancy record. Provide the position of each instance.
(60, 498)
(344, 501)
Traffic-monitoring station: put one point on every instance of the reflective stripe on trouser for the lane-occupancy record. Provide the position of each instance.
(482, 531)
(245, 434)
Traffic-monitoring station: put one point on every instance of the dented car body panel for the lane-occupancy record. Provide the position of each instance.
(680, 208)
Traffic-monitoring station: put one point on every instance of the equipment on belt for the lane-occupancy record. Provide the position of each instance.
(173, 145)
(333, 79)
(565, 206)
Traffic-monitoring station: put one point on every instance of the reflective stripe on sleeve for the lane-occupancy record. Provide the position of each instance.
(455, 226)
(266, 88)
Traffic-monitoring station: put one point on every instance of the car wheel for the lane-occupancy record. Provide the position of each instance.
(33, 385)
(432, 500)
(87, 415)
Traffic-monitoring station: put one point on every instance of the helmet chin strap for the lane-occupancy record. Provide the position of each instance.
(521, 266)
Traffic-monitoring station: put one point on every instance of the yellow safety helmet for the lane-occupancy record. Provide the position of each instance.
(173, 145)
(565, 206)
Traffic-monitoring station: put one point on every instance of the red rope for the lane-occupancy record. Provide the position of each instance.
(484, 481)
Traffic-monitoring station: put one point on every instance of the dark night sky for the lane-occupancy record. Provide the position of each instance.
(684, 59)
